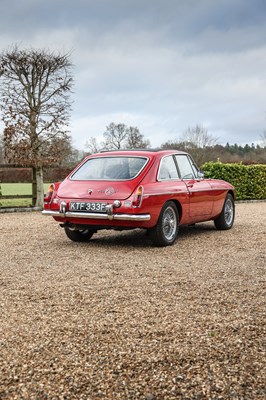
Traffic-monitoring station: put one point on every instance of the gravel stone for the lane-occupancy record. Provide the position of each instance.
(117, 318)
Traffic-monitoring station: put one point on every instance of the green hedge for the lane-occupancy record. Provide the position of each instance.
(248, 180)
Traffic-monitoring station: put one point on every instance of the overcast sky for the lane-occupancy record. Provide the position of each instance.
(160, 65)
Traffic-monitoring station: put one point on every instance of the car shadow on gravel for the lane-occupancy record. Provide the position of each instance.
(138, 238)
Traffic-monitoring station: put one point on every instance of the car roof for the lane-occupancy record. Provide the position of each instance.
(142, 152)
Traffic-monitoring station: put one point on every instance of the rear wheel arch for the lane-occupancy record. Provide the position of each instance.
(232, 193)
(226, 218)
(179, 208)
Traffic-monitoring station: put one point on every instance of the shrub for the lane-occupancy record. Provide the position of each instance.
(248, 180)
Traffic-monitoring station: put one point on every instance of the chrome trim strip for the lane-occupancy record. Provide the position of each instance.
(183, 191)
(166, 193)
(117, 217)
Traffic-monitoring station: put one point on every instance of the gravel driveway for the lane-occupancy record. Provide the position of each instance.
(117, 318)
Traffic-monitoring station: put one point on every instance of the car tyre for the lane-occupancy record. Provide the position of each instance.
(80, 235)
(226, 218)
(166, 230)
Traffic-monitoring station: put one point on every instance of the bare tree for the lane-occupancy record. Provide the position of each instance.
(115, 136)
(118, 136)
(1, 150)
(35, 104)
(263, 139)
(93, 146)
(69, 155)
(135, 140)
(198, 137)
(197, 141)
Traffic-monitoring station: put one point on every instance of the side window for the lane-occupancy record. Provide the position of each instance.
(167, 170)
(194, 167)
(185, 168)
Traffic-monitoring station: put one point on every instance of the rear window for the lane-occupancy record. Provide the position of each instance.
(110, 168)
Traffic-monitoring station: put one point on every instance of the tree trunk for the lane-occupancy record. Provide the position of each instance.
(37, 187)
(34, 186)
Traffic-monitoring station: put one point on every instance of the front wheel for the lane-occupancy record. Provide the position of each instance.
(166, 230)
(226, 218)
(78, 235)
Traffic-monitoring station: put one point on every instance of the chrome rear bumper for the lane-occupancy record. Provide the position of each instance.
(117, 217)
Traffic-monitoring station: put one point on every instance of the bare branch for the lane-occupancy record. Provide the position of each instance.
(34, 100)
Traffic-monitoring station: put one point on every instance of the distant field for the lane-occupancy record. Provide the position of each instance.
(11, 189)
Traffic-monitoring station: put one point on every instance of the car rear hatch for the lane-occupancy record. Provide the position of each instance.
(91, 190)
(105, 178)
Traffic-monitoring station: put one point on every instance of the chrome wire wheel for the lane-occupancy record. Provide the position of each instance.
(165, 232)
(229, 211)
(169, 223)
(226, 219)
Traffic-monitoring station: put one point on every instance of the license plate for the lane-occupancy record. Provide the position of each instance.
(88, 206)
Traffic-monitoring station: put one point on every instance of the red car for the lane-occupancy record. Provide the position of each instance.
(157, 190)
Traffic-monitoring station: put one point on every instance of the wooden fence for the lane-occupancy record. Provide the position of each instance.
(24, 174)
(16, 196)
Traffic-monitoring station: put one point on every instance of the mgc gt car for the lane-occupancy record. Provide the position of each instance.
(157, 190)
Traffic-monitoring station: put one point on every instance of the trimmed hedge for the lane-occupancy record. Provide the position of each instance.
(24, 175)
(248, 180)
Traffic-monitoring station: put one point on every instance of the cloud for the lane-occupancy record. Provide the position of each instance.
(162, 67)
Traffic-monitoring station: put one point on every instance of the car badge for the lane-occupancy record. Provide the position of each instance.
(109, 191)
(89, 191)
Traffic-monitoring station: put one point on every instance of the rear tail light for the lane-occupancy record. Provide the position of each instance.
(138, 197)
(49, 194)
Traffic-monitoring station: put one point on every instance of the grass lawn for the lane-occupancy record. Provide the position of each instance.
(11, 189)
